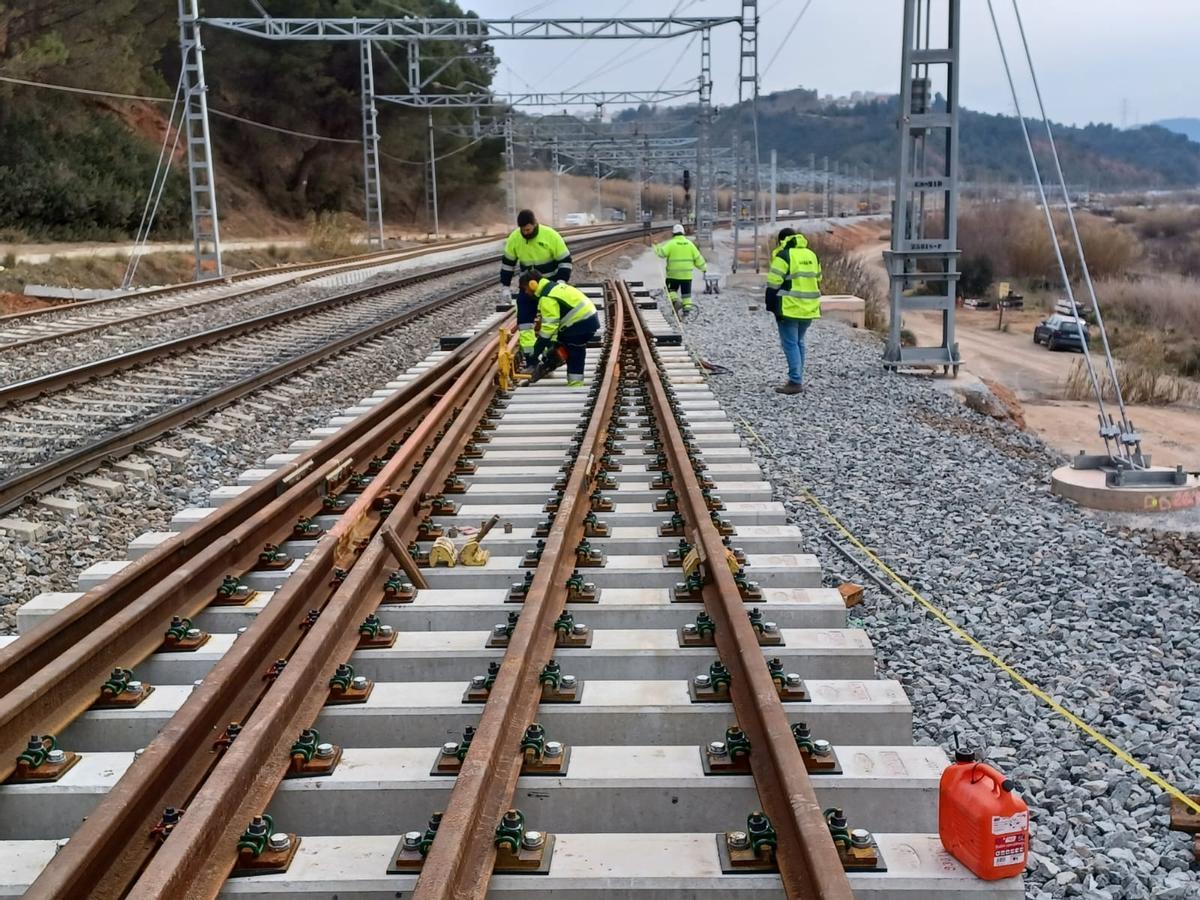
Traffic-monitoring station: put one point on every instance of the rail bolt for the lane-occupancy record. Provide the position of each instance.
(553, 749)
(533, 840)
(412, 840)
(860, 837)
(738, 840)
(279, 842)
(717, 748)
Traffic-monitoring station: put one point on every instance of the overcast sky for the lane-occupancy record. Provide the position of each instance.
(1091, 54)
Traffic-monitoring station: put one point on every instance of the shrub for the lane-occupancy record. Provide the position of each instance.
(976, 275)
(333, 234)
(844, 273)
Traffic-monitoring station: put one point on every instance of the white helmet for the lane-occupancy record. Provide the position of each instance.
(678, 229)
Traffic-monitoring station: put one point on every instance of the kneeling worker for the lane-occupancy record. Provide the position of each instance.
(532, 246)
(568, 321)
(794, 297)
(682, 256)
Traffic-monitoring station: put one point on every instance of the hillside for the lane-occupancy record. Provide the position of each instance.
(76, 167)
(1189, 127)
(796, 124)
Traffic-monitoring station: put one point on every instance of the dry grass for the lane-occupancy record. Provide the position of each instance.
(1012, 234)
(333, 234)
(1139, 383)
(844, 273)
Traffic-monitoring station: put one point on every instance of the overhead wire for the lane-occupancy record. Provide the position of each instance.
(1127, 426)
(786, 37)
(1058, 254)
(161, 170)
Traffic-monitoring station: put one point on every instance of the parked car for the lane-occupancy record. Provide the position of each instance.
(579, 218)
(1059, 331)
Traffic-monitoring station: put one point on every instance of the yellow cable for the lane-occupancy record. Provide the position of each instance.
(1008, 670)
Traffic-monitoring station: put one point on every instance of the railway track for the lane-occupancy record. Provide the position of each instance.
(572, 677)
(62, 422)
(35, 342)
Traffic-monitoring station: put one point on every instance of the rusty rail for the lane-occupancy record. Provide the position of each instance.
(460, 861)
(809, 865)
(105, 855)
(111, 848)
(49, 676)
(200, 854)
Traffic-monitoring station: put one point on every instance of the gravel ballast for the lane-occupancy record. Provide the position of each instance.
(219, 446)
(959, 505)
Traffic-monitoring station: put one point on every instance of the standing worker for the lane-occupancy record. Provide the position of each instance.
(794, 297)
(568, 321)
(682, 256)
(532, 246)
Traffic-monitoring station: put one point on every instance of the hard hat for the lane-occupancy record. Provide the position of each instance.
(678, 229)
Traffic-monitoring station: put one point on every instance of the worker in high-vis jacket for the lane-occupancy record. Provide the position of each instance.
(532, 246)
(794, 297)
(567, 320)
(682, 257)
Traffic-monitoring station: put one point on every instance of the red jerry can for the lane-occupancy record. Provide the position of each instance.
(981, 822)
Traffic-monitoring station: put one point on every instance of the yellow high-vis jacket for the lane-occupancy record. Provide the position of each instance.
(682, 257)
(561, 305)
(795, 278)
(546, 252)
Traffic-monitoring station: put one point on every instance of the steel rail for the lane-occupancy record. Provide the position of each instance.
(201, 852)
(107, 853)
(108, 850)
(50, 675)
(54, 639)
(460, 861)
(54, 471)
(246, 293)
(327, 267)
(33, 387)
(53, 381)
(809, 865)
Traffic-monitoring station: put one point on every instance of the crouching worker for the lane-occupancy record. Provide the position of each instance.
(568, 321)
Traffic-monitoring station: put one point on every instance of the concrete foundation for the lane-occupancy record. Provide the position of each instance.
(1087, 488)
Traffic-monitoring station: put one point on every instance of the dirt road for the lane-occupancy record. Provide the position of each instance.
(1037, 375)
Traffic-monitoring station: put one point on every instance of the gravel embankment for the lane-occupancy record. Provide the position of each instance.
(959, 504)
(221, 446)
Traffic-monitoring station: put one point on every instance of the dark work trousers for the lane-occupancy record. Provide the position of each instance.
(684, 288)
(527, 306)
(575, 338)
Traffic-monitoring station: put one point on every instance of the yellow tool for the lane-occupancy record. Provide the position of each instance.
(691, 562)
(506, 370)
(443, 551)
(474, 555)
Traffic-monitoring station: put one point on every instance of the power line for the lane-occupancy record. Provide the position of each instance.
(145, 99)
(784, 42)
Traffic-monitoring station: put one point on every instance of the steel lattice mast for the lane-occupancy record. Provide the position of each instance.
(924, 251)
(412, 32)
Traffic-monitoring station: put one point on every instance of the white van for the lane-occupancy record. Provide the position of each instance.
(578, 218)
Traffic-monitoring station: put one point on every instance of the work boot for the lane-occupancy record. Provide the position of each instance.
(789, 387)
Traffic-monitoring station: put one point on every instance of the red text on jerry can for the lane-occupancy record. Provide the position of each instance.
(981, 822)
